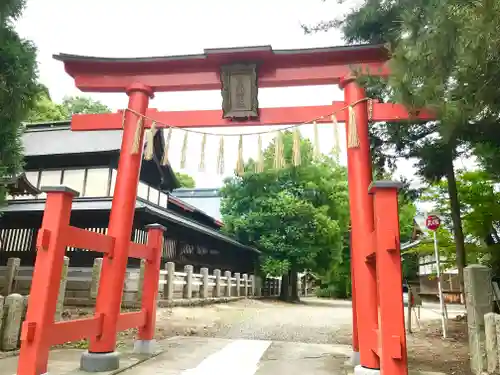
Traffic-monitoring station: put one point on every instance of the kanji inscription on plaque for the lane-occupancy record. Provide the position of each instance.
(240, 92)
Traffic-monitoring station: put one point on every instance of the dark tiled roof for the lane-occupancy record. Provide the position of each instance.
(104, 204)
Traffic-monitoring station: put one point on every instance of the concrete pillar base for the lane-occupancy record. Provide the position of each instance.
(144, 346)
(360, 370)
(355, 361)
(99, 362)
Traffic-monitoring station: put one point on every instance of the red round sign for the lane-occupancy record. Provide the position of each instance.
(432, 222)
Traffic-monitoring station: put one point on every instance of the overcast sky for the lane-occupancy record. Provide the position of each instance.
(126, 28)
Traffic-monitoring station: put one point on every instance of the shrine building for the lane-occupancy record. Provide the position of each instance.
(86, 161)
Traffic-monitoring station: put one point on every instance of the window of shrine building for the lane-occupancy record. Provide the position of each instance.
(50, 178)
(97, 184)
(113, 182)
(142, 190)
(163, 200)
(74, 179)
(154, 195)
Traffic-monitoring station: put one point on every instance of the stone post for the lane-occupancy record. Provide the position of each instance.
(96, 277)
(140, 281)
(23, 315)
(204, 283)
(216, 292)
(490, 330)
(252, 285)
(1, 312)
(13, 265)
(245, 285)
(258, 286)
(62, 289)
(168, 289)
(229, 283)
(278, 282)
(478, 294)
(237, 276)
(12, 319)
(188, 287)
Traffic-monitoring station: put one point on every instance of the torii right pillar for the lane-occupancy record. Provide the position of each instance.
(375, 254)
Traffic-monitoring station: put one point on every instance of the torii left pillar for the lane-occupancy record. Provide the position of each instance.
(101, 355)
(359, 171)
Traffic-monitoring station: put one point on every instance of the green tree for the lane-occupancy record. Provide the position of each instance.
(297, 216)
(82, 104)
(480, 211)
(18, 88)
(185, 180)
(44, 109)
(442, 54)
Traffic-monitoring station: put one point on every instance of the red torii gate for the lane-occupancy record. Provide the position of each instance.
(375, 227)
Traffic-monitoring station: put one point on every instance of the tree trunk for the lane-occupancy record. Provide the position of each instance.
(457, 223)
(285, 283)
(294, 281)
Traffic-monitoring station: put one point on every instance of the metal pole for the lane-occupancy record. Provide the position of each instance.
(440, 289)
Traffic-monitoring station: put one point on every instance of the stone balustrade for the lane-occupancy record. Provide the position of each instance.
(79, 287)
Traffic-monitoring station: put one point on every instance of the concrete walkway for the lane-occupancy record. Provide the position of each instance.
(208, 356)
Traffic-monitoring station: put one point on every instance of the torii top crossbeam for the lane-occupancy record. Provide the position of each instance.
(272, 68)
(277, 68)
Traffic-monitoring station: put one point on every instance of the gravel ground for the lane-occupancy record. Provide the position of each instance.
(312, 321)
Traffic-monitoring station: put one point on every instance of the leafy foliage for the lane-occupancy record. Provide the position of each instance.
(480, 212)
(47, 110)
(185, 180)
(297, 216)
(443, 57)
(18, 88)
(82, 105)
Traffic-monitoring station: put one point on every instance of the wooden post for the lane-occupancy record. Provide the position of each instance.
(392, 322)
(168, 291)
(145, 342)
(188, 287)
(216, 292)
(49, 263)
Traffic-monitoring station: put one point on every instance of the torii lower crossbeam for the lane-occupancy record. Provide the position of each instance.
(268, 117)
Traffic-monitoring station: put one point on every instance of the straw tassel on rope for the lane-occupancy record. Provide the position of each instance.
(240, 168)
(202, 153)
(352, 137)
(220, 156)
(137, 137)
(164, 160)
(150, 137)
(336, 138)
(259, 166)
(316, 141)
(184, 150)
(279, 161)
(296, 147)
